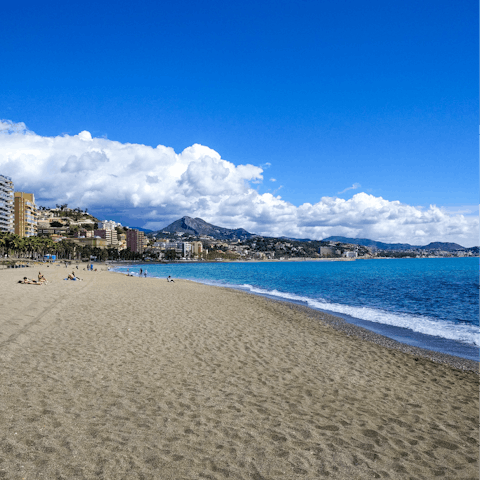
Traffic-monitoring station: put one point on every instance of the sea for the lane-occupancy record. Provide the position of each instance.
(431, 303)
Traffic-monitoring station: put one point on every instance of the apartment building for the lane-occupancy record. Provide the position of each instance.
(197, 248)
(108, 225)
(25, 212)
(135, 241)
(183, 249)
(110, 235)
(6, 205)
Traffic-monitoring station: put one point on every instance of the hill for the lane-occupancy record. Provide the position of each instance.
(445, 246)
(198, 227)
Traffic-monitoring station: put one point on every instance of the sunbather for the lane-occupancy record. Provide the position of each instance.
(26, 281)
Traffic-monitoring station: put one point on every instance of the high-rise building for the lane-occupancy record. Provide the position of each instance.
(135, 241)
(6, 204)
(109, 235)
(197, 248)
(25, 214)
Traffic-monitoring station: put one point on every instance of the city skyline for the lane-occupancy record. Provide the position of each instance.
(305, 120)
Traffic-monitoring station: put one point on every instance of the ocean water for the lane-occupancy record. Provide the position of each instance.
(430, 303)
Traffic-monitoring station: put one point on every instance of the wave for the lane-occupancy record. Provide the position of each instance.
(464, 333)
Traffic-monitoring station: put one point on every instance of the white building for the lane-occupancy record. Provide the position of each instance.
(182, 248)
(6, 205)
(108, 225)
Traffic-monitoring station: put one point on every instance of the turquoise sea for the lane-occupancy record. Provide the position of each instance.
(430, 303)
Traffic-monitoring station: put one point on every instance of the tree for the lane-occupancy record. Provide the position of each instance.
(171, 254)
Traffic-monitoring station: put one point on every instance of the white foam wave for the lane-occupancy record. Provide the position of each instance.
(459, 332)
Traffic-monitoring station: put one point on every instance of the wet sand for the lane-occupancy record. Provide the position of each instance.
(121, 377)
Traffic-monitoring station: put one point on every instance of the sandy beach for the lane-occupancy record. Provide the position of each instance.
(118, 377)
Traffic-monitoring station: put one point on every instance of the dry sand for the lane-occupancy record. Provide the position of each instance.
(121, 377)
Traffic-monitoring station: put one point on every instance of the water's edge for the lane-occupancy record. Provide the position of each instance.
(441, 350)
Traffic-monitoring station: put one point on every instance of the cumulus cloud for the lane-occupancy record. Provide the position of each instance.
(154, 186)
(355, 186)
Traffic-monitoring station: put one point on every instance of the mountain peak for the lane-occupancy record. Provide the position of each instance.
(198, 226)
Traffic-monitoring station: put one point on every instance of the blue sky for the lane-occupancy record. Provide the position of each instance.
(321, 95)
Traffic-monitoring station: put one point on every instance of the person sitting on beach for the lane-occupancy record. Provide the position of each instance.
(170, 279)
(41, 278)
(72, 276)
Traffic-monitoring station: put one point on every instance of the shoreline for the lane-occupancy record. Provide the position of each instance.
(347, 328)
(340, 324)
(125, 377)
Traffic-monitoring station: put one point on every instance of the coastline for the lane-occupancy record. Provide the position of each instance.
(403, 337)
(272, 260)
(364, 334)
(117, 377)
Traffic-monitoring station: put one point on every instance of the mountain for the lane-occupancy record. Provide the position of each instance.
(197, 227)
(445, 246)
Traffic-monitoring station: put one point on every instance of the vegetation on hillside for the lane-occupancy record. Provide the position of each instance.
(35, 248)
(62, 211)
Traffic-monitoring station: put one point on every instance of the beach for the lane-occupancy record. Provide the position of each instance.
(120, 377)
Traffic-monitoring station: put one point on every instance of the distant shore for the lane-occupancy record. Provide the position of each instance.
(273, 260)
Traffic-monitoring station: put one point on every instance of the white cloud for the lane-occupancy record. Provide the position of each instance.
(273, 179)
(355, 186)
(155, 186)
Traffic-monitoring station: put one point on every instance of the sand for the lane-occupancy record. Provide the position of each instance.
(121, 377)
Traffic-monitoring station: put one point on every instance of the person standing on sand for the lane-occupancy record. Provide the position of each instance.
(145, 274)
(141, 272)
